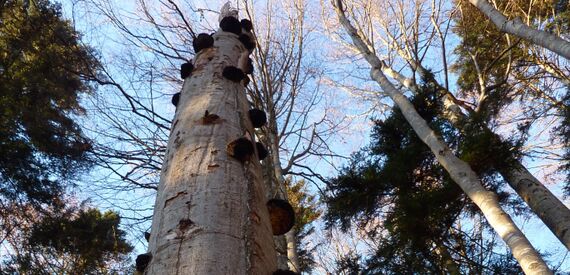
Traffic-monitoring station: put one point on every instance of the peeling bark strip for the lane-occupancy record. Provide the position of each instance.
(460, 172)
(518, 28)
(210, 216)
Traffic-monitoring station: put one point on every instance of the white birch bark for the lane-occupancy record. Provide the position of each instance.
(292, 251)
(281, 192)
(460, 172)
(274, 183)
(554, 214)
(210, 215)
(518, 28)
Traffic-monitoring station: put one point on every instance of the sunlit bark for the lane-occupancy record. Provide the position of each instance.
(518, 28)
(210, 215)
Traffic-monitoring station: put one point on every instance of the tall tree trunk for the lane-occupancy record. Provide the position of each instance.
(292, 254)
(275, 190)
(554, 214)
(460, 172)
(281, 192)
(210, 215)
(518, 28)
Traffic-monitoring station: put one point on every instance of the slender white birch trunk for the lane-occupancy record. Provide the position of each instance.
(518, 28)
(554, 214)
(465, 177)
(274, 183)
(210, 215)
(460, 172)
(281, 192)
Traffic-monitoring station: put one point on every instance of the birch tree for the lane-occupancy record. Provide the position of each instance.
(460, 172)
(542, 202)
(404, 41)
(210, 216)
(518, 28)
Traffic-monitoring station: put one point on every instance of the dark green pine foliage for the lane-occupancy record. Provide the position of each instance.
(85, 242)
(401, 196)
(497, 53)
(495, 56)
(349, 264)
(43, 68)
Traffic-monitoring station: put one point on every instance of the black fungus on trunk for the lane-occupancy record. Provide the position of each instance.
(230, 24)
(258, 118)
(240, 149)
(262, 153)
(249, 67)
(175, 99)
(186, 70)
(234, 74)
(282, 216)
(202, 41)
(247, 41)
(142, 261)
(246, 25)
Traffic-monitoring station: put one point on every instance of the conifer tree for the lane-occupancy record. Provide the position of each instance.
(459, 171)
(43, 71)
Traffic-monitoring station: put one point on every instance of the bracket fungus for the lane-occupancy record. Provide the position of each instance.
(202, 41)
(262, 152)
(247, 41)
(249, 67)
(142, 261)
(234, 74)
(230, 24)
(258, 117)
(186, 70)
(282, 216)
(246, 25)
(175, 99)
(240, 149)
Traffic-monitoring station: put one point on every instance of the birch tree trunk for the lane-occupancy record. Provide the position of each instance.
(554, 214)
(518, 28)
(281, 192)
(459, 171)
(210, 215)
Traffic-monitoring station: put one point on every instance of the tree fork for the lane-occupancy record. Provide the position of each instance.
(210, 215)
